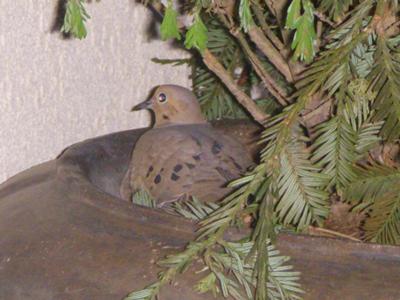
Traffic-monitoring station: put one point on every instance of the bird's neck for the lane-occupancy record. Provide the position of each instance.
(162, 122)
(157, 125)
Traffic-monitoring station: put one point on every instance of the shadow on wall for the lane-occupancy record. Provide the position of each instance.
(59, 19)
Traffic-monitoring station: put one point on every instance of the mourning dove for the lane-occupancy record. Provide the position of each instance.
(182, 155)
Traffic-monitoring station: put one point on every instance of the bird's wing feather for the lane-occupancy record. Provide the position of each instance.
(191, 160)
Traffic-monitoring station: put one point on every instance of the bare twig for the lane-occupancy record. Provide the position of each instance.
(324, 19)
(216, 67)
(269, 82)
(258, 11)
(278, 9)
(267, 79)
(318, 110)
(328, 232)
(268, 49)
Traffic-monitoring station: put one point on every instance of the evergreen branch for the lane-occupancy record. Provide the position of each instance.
(263, 230)
(215, 66)
(169, 27)
(367, 137)
(281, 280)
(75, 18)
(377, 189)
(335, 9)
(335, 151)
(143, 198)
(194, 210)
(246, 19)
(270, 83)
(385, 81)
(357, 112)
(259, 12)
(268, 49)
(215, 99)
(330, 69)
(302, 199)
(303, 24)
(335, 148)
(383, 224)
(352, 26)
(211, 232)
(372, 182)
(232, 265)
(175, 264)
(196, 36)
(362, 58)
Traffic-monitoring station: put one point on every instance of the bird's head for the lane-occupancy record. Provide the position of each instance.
(173, 105)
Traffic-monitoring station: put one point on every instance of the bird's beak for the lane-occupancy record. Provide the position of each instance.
(144, 105)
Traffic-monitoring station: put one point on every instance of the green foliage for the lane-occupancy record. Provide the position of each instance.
(230, 267)
(385, 79)
(215, 99)
(143, 198)
(378, 189)
(75, 18)
(303, 200)
(303, 24)
(335, 151)
(246, 19)
(293, 14)
(196, 36)
(335, 9)
(193, 209)
(353, 81)
(169, 26)
(299, 183)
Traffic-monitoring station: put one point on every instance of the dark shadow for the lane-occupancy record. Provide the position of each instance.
(58, 19)
(155, 21)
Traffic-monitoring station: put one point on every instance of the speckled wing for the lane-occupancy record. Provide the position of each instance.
(174, 162)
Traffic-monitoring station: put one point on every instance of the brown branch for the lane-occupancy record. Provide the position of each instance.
(327, 232)
(278, 9)
(258, 11)
(216, 67)
(313, 116)
(324, 19)
(269, 82)
(267, 79)
(268, 49)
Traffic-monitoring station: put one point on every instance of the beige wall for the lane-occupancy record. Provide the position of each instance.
(56, 92)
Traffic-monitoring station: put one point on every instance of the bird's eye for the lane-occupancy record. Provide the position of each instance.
(162, 98)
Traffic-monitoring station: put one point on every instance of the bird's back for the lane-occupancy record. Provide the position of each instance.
(186, 160)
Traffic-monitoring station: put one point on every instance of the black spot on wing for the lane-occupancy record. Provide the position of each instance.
(149, 171)
(196, 157)
(174, 177)
(216, 148)
(157, 179)
(177, 168)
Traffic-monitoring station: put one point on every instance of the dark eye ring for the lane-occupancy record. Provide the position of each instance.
(162, 97)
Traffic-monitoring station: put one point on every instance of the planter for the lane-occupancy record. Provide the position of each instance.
(65, 234)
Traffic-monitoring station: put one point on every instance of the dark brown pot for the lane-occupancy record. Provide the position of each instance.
(65, 234)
